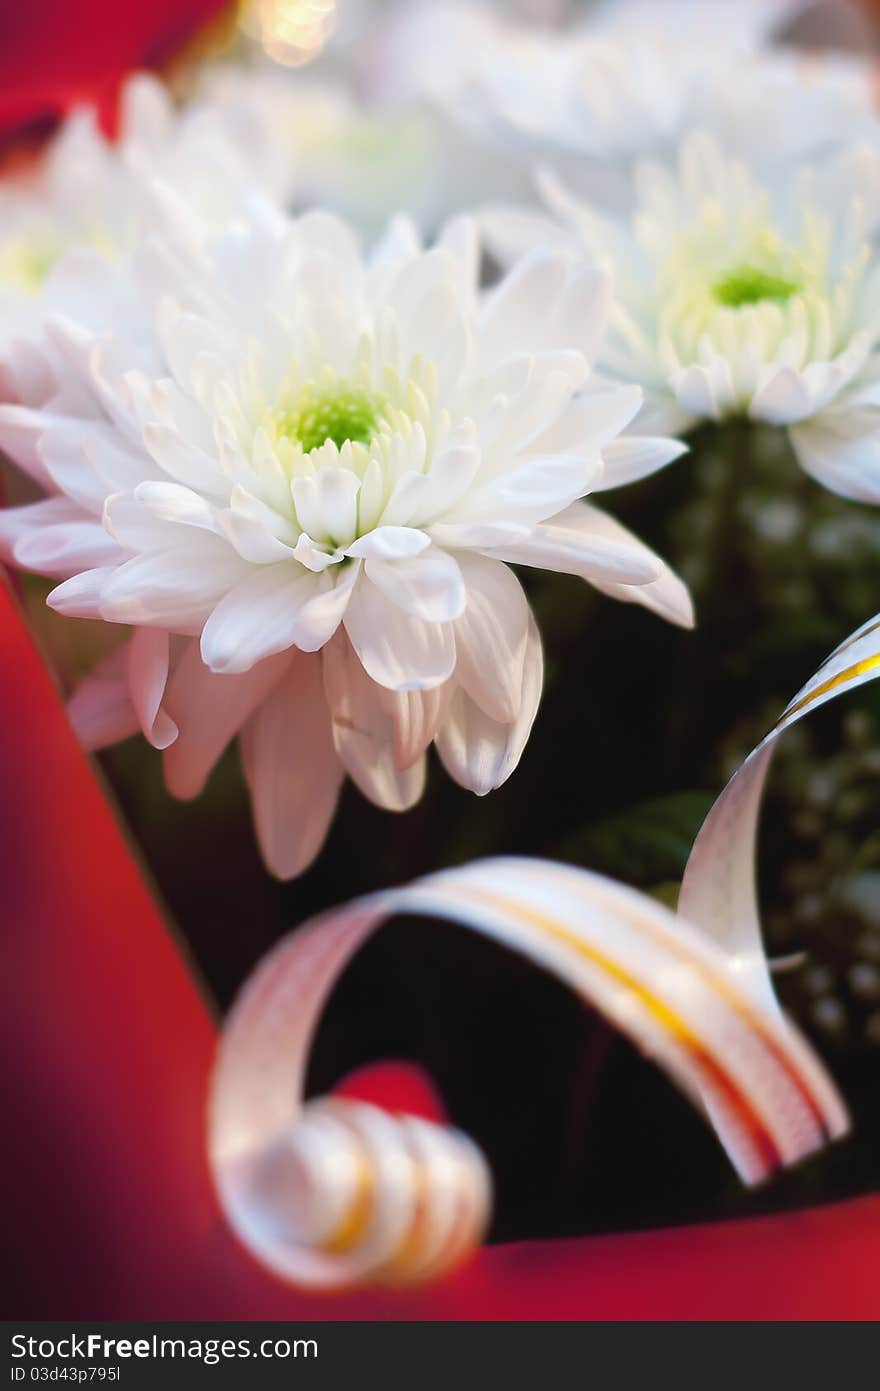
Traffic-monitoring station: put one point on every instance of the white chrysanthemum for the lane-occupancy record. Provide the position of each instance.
(94, 196)
(363, 155)
(739, 298)
(595, 98)
(310, 469)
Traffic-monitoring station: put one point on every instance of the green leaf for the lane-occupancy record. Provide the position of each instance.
(645, 845)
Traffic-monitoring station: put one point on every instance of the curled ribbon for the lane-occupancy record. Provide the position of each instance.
(333, 1192)
(719, 889)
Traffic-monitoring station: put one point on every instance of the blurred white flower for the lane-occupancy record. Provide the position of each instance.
(624, 86)
(737, 297)
(365, 155)
(94, 196)
(301, 481)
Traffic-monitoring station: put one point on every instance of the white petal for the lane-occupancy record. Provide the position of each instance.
(842, 452)
(666, 595)
(397, 650)
(490, 637)
(136, 527)
(20, 431)
(258, 617)
(699, 391)
(582, 317)
(326, 504)
(783, 397)
(536, 489)
(272, 609)
(89, 460)
(313, 555)
(100, 709)
(245, 504)
(590, 421)
(172, 502)
(511, 232)
(292, 769)
(610, 412)
(572, 549)
(520, 301)
(364, 732)
(517, 420)
(427, 586)
(636, 456)
(478, 752)
(66, 549)
(209, 711)
(82, 595)
(323, 612)
(183, 461)
(418, 498)
(253, 540)
(148, 654)
(119, 467)
(26, 377)
(478, 535)
(416, 716)
(174, 589)
(389, 543)
(16, 522)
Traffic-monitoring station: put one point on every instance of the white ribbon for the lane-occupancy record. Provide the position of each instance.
(719, 889)
(335, 1192)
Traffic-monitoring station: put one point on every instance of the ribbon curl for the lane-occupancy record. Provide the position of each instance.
(334, 1193)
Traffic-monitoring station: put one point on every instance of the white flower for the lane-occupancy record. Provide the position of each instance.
(594, 98)
(737, 297)
(364, 155)
(94, 197)
(301, 480)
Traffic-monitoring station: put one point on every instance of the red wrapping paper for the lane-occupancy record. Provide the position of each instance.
(108, 1199)
(56, 54)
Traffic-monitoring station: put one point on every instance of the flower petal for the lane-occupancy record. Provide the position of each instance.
(568, 545)
(175, 589)
(365, 733)
(66, 549)
(148, 654)
(258, 616)
(427, 586)
(667, 595)
(536, 489)
(389, 543)
(397, 649)
(209, 710)
(82, 595)
(292, 769)
(20, 432)
(326, 504)
(490, 637)
(478, 752)
(841, 450)
(100, 709)
(632, 457)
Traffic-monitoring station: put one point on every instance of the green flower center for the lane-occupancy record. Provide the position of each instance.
(336, 412)
(751, 285)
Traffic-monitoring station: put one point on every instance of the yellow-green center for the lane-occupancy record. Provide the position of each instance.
(337, 412)
(751, 285)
